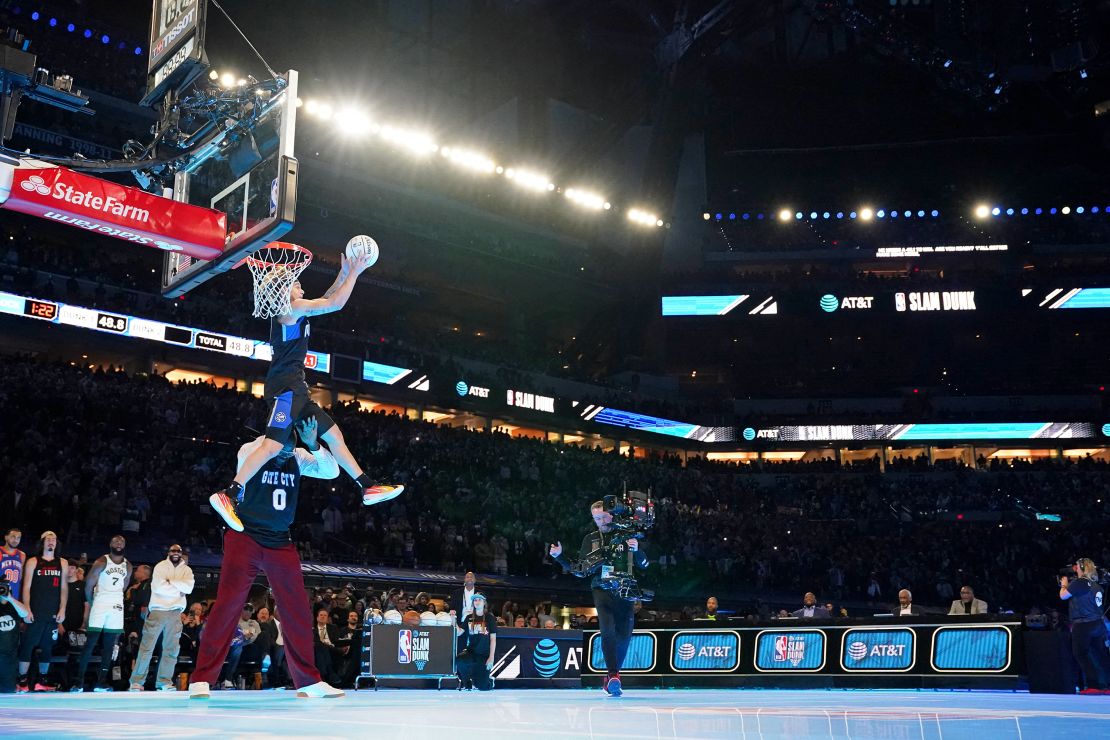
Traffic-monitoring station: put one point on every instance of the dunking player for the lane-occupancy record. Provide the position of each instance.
(267, 509)
(104, 587)
(45, 595)
(287, 390)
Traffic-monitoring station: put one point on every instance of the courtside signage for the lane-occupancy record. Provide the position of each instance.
(701, 651)
(877, 650)
(643, 650)
(972, 649)
(790, 651)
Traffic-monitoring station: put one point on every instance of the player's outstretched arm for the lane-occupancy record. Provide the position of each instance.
(339, 293)
(317, 461)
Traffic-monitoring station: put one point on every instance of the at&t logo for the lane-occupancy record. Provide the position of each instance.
(471, 390)
(857, 651)
(686, 651)
(749, 434)
(462, 388)
(829, 303)
(546, 658)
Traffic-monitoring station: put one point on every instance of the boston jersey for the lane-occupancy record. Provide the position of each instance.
(110, 584)
(11, 567)
(270, 502)
(290, 345)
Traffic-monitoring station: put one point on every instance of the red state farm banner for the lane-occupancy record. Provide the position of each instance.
(104, 207)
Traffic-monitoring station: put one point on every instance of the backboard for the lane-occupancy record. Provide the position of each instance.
(252, 180)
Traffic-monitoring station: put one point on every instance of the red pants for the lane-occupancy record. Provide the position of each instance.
(243, 559)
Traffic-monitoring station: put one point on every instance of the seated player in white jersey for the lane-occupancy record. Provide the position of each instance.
(104, 588)
(287, 392)
(268, 509)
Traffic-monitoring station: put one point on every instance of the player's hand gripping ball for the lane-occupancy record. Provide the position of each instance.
(362, 245)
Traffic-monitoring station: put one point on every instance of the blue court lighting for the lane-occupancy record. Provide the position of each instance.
(880, 213)
(812, 215)
(921, 214)
(894, 214)
(732, 217)
(1038, 212)
(746, 216)
(53, 22)
(1079, 209)
(88, 33)
(907, 214)
(825, 214)
(934, 213)
(35, 16)
(138, 50)
(104, 39)
(1009, 211)
(798, 215)
(71, 28)
(1052, 211)
(995, 211)
(1024, 211)
(840, 214)
(852, 215)
(717, 216)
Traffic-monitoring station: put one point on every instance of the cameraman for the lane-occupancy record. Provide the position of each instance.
(614, 615)
(10, 609)
(1088, 633)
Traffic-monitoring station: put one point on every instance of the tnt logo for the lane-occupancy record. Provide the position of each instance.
(404, 646)
(7, 624)
(789, 649)
(35, 184)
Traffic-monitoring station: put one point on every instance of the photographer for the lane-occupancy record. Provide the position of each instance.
(1088, 633)
(12, 611)
(614, 615)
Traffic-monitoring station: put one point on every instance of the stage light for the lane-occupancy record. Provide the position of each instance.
(1024, 211)
(866, 214)
(894, 214)
(88, 32)
(840, 214)
(529, 179)
(71, 28)
(352, 122)
(470, 160)
(705, 216)
(798, 216)
(35, 16)
(732, 217)
(1038, 211)
(1052, 211)
(54, 22)
(105, 39)
(643, 217)
(880, 213)
(746, 216)
(852, 215)
(718, 216)
(138, 50)
(227, 80)
(585, 198)
(921, 214)
(934, 213)
(1079, 209)
(995, 211)
(1094, 209)
(213, 75)
(1009, 211)
(812, 215)
(982, 211)
(1065, 210)
(785, 214)
(414, 142)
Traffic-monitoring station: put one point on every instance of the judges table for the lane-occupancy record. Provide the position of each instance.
(903, 652)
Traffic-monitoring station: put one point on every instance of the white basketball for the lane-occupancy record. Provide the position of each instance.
(392, 617)
(373, 616)
(360, 245)
(427, 619)
(445, 619)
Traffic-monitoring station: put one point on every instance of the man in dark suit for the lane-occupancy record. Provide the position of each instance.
(905, 606)
(326, 649)
(810, 609)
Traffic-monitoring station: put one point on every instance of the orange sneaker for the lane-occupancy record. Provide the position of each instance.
(225, 507)
(380, 494)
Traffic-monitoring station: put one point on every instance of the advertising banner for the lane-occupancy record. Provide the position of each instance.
(400, 651)
(796, 651)
(985, 649)
(878, 650)
(540, 657)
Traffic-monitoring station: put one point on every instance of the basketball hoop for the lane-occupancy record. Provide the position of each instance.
(275, 268)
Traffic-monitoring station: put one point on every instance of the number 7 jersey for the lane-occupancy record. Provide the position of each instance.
(269, 502)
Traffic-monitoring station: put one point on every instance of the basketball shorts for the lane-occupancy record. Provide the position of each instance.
(290, 406)
(106, 616)
(42, 633)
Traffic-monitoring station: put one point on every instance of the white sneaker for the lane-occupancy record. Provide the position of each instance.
(136, 687)
(198, 690)
(227, 685)
(321, 690)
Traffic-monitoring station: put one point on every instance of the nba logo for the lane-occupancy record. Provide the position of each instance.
(404, 646)
(781, 644)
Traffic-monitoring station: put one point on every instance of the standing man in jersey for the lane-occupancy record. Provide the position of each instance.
(45, 594)
(12, 560)
(287, 392)
(267, 510)
(104, 587)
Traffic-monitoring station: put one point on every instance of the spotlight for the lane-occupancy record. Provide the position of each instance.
(529, 179)
(414, 142)
(1024, 211)
(213, 75)
(852, 215)
(105, 39)
(982, 211)
(718, 216)
(825, 214)
(840, 214)
(71, 28)
(585, 198)
(1009, 211)
(54, 22)
(705, 216)
(921, 214)
(866, 214)
(732, 217)
(907, 214)
(1039, 211)
(35, 16)
(880, 213)
(471, 160)
(995, 211)
(1065, 210)
(352, 122)
(227, 80)
(1079, 209)
(1052, 211)
(88, 32)
(138, 50)
(798, 216)
(934, 213)
(812, 215)
(746, 216)
(643, 217)
(785, 214)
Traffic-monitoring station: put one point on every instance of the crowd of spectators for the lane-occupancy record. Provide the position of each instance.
(141, 454)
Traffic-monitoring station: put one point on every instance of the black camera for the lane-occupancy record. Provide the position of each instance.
(5, 587)
(633, 514)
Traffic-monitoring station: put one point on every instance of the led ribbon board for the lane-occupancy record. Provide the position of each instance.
(915, 432)
(716, 305)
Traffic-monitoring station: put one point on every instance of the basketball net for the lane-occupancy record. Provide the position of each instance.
(275, 268)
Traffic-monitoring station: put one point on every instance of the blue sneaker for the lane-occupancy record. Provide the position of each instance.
(613, 685)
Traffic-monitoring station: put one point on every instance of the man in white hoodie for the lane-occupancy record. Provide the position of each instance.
(171, 582)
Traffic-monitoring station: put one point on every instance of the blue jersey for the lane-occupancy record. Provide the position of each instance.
(11, 568)
(290, 346)
(1085, 604)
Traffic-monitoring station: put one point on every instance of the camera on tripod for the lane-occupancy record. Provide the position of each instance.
(633, 514)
